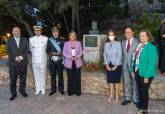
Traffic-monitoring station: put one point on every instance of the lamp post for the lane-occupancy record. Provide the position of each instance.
(8, 35)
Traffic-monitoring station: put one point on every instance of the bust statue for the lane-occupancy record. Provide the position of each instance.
(94, 28)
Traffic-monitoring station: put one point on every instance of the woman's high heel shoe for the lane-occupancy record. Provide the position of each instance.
(110, 98)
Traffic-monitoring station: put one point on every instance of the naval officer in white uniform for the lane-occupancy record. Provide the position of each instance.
(38, 44)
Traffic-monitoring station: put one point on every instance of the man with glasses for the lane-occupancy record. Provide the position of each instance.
(128, 46)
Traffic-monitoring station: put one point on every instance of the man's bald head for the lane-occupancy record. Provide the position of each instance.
(16, 32)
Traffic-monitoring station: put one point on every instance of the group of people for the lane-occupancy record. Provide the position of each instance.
(59, 53)
(135, 58)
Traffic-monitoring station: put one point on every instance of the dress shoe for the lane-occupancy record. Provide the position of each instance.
(78, 95)
(12, 97)
(51, 93)
(70, 94)
(62, 92)
(139, 112)
(43, 92)
(144, 112)
(125, 102)
(37, 92)
(24, 94)
(136, 104)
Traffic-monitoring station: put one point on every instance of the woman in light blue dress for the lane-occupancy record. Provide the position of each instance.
(112, 61)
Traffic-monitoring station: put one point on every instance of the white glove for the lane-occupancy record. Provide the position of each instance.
(54, 58)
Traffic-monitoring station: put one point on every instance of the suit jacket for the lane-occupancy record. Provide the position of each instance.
(68, 54)
(147, 61)
(112, 53)
(14, 51)
(127, 56)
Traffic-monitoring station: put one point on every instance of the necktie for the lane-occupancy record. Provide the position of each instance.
(128, 45)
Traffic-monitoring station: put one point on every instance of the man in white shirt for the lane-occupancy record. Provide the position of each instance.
(37, 45)
(17, 49)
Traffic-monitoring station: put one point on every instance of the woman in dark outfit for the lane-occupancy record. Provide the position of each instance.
(112, 60)
(72, 53)
(161, 43)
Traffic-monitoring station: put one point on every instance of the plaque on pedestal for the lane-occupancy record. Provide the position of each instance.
(93, 47)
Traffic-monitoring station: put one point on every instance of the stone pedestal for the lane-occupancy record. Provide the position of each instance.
(93, 47)
(92, 82)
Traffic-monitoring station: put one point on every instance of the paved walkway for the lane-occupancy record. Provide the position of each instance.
(3, 60)
(57, 104)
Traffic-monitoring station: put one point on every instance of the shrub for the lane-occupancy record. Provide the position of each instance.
(93, 67)
(150, 23)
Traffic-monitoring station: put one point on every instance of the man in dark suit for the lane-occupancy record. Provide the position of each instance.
(17, 49)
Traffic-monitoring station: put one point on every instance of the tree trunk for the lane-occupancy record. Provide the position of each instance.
(126, 7)
(27, 26)
(78, 19)
(51, 18)
(73, 14)
(66, 22)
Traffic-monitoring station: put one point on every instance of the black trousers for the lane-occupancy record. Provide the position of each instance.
(16, 71)
(143, 91)
(74, 80)
(56, 68)
(161, 64)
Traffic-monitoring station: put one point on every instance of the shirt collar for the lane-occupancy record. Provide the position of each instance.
(56, 38)
(130, 40)
(146, 43)
(16, 38)
(38, 36)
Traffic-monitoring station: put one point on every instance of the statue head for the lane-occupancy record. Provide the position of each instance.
(94, 25)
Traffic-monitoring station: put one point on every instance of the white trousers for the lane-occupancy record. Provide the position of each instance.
(39, 72)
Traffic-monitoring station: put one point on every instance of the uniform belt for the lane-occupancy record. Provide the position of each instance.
(56, 54)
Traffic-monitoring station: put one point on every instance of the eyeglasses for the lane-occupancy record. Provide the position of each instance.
(128, 32)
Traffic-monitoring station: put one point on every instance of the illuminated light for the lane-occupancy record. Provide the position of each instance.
(8, 34)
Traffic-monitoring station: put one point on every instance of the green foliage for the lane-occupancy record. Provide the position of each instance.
(111, 9)
(2, 2)
(150, 23)
(150, 1)
(44, 5)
